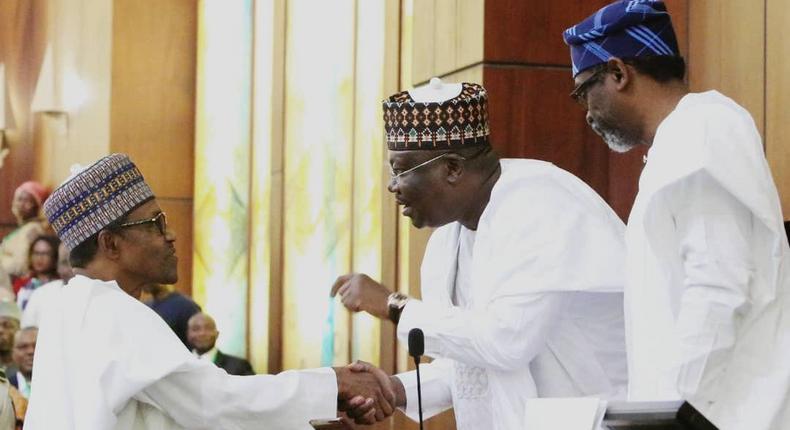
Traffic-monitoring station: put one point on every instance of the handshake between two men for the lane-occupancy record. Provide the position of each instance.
(367, 394)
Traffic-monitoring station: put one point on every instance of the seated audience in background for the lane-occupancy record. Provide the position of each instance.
(9, 325)
(202, 337)
(43, 264)
(21, 373)
(174, 307)
(15, 247)
(32, 313)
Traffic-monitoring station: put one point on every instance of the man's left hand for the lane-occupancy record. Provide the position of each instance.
(358, 292)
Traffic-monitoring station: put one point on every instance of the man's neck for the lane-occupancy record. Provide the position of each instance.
(481, 197)
(101, 272)
(664, 98)
(28, 375)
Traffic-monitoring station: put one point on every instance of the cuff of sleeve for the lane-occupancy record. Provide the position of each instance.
(418, 314)
(409, 381)
(322, 398)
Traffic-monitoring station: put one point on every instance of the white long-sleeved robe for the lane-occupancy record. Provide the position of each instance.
(707, 303)
(546, 315)
(106, 361)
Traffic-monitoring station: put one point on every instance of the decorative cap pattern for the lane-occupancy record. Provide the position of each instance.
(461, 121)
(95, 197)
(623, 29)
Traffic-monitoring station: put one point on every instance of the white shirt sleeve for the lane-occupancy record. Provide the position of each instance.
(714, 235)
(435, 379)
(503, 336)
(205, 397)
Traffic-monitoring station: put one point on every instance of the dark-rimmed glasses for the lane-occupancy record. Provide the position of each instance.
(160, 220)
(579, 94)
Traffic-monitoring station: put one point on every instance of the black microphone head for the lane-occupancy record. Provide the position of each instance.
(416, 342)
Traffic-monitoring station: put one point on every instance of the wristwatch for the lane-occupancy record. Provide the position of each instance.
(395, 303)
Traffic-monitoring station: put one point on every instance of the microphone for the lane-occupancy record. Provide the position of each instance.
(416, 350)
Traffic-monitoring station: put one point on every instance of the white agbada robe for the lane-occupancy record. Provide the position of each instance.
(544, 314)
(104, 361)
(707, 307)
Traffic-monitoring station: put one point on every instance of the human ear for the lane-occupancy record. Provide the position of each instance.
(108, 244)
(455, 167)
(621, 74)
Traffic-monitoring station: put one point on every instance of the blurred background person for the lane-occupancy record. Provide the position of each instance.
(32, 313)
(202, 337)
(21, 373)
(174, 307)
(9, 325)
(26, 207)
(43, 268)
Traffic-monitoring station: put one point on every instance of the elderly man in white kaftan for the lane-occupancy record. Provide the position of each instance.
(707, 299)
(104, 360)
(521, 282)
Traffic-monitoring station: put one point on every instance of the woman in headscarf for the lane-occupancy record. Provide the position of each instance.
(26, 206)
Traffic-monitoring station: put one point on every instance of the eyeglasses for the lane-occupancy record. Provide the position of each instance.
(579, 94)
(394, 176)
(160, 220)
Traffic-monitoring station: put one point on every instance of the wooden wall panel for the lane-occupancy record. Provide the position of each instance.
(530, 31)
(23, 34)
(727, 52)
(777, 88)
(532, 116)
(152, 109)
(153, 90)
(445, 36)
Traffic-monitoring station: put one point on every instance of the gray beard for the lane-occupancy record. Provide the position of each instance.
(615, 140)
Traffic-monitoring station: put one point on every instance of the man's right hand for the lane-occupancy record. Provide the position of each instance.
(365, 393)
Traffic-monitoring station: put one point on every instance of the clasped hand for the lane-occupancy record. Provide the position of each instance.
(365, 393)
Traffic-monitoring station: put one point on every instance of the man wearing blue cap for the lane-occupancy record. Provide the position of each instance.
(707, 304)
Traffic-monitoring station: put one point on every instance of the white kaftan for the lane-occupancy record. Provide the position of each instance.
(105, 361)
(544, 315)
(707, 303)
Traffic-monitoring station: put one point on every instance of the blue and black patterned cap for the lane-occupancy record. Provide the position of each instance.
(623, 29)
(95, 197)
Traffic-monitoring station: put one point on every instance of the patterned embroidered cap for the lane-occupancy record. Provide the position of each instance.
(623, 29)
(437, 116)
(95, 197)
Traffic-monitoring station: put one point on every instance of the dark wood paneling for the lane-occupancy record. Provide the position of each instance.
(530, 31)
(532, 116)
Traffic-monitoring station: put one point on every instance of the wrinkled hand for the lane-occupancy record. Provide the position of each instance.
(365, 393)
(360, 293)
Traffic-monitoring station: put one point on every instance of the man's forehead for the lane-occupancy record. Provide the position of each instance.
(201, 318)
